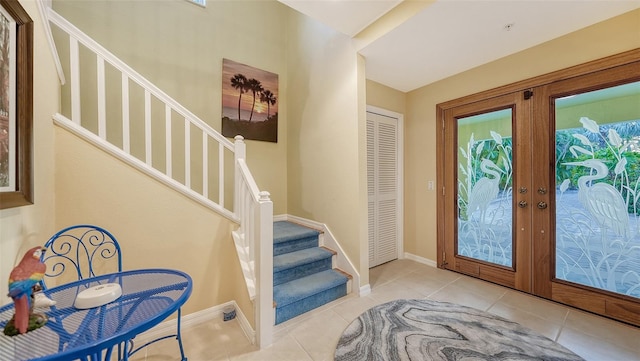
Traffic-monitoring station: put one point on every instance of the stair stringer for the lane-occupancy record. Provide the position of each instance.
(327, 239)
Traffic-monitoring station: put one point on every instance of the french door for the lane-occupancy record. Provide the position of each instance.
(541, 189)
(486, 148)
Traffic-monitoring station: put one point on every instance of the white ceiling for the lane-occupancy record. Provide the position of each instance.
(450, 36)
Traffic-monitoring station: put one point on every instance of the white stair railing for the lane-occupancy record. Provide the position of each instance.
(254, 244)
(186, 143)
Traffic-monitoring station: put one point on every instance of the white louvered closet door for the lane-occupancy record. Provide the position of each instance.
(382, 188)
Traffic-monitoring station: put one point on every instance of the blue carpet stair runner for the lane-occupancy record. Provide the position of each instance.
(303, 277)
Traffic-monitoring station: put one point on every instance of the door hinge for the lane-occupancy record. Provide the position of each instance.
(528, 94)
(444, 259)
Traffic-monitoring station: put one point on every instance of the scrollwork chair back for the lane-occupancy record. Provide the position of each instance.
(78, 252)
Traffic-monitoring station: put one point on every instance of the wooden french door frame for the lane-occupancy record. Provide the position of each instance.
(546, 284)
(541, 279)
(517, 275)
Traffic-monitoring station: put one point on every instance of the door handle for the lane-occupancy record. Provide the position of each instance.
(522, 204)
(542, 205)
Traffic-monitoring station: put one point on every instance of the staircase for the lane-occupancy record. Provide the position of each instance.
(304, 276)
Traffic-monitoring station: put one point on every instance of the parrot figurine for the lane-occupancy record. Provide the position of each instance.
(21, 281)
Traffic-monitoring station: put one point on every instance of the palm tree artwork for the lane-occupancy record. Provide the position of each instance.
(256, 88)
(241, 83)
(255, 116)
(269, 98)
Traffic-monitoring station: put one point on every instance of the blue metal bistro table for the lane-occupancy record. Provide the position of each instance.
(105, 332)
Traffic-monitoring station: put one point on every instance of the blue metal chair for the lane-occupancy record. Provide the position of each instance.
(83, 251)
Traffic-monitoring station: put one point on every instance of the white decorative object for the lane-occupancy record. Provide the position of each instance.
(98, 295)
(41, 300)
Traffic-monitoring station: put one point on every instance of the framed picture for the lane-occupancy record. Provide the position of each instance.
(16, 105)
(249, 102)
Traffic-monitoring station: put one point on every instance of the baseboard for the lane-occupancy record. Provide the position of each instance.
(422, 260)
(365, 290)
(279, 217)
(197, 318)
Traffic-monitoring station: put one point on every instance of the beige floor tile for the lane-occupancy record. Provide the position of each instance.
(380, 275)
(401, 266)
(543, 308)
(462, 296)
(354, 307)
(167, 349)
(616, 333)
(429, 272)
(394, 290)
(487, 289)
(592, 348)
(527, 319)
(285, 349)
(319, 335)
(390, 271)
(426, 285)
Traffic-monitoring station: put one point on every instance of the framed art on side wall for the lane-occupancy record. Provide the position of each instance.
(249, 102)
(16, 105)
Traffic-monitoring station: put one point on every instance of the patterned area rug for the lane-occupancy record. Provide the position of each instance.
(432, 330)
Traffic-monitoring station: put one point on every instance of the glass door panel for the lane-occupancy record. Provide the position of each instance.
(597, 144)
(484, 198)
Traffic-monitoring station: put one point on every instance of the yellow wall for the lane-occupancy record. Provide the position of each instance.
(387, 98)
(179, 47)
(324, 149)
(600, 40)
(155, 226)
(24, 227)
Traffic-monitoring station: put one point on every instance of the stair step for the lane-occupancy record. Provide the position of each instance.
(298, 264)
(304, 294)
(291, 237)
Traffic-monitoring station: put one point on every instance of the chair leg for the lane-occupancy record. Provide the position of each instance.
(124, 350)
(179, 336)
(129, 348)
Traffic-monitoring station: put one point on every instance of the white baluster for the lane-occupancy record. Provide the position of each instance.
(205, 166)
(147, 127)
(187, 153)
(240, 150)
(126, 140)
(75, 80)
(221, 174)
(168, 140)
(102, 109)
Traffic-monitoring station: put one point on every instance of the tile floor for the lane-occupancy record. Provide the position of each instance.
(313, 336)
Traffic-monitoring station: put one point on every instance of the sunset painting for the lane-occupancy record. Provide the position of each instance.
(249, 102)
